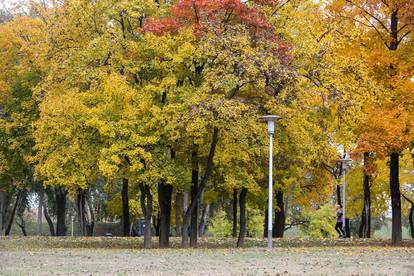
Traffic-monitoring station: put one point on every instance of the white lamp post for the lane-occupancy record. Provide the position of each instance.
(344, 163)
(270, 119)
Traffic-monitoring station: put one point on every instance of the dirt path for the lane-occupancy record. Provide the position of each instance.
(252, 261)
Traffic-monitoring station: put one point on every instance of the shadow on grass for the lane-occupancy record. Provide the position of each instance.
(34, 242)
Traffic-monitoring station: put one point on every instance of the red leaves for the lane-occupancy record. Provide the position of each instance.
(271, 3)
(205, 15)
(162, 26)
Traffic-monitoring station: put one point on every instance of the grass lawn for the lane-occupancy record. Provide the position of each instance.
(125, 256)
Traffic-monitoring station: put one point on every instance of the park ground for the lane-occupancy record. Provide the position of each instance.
(125, 256)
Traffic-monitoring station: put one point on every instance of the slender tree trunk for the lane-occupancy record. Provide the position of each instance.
(146, 206)
(365, 227)
(60, 195)
(395, 200)
(266, 219)
(242, 233)
(410, 215)
(279, 223)
(338, 195)
(177, 213)
(411, 220)
(13, 214)
(203, 220)
(194, 191)
(21, 224)
(185, 203)
(40, 211)
(234, 234)
(157, 224)
(204, 179)
(1, 212)
(125, 208)
(49, 221)
(164, 201)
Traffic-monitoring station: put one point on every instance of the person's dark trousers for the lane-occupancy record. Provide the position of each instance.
(338, 228)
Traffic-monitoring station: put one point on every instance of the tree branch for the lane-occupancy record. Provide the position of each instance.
(406, 198)
(370, 14)
(402, 37)
(296, 223)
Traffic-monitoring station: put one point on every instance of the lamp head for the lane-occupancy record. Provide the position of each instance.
(345, 162)
(271, 119)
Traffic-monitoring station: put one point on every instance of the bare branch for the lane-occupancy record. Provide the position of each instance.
(370, 14)
(402, 37)
(279, 7)
(406, 198)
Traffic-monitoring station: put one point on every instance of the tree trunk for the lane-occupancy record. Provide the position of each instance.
(60, 195)
(146, 206)
(157, 224)
(125, 208)
(203, 221)
(49, 221)
(395, 200)
(410, 220)
(177, 213)
(13, 214)
(365, 227)
(266, 219)
(80, 205)
(204, 179)
(410, 215)
(91, 221)
(1, 212)
(164, 201)
(338, 195)
(40, 211)
(242, 233)
(234, 234)
(279, 223)
(21, 224)
(185, 203)
(194, 191)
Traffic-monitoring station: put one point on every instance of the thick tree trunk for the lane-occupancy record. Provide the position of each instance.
(203, 221)
(279, 223)
(125, 208)
(234, 234)
(242, 233)
(1, 212)
(90, 225)
(194, 191)
(164, 201)
(177, 213)
(365, 227)
(395, 200)
(13, 213)
(80, 205)
(204, 179)
(49, 221)
(60, 195)
(146, 206)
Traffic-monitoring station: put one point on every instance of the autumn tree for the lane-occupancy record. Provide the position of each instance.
(384, 40)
